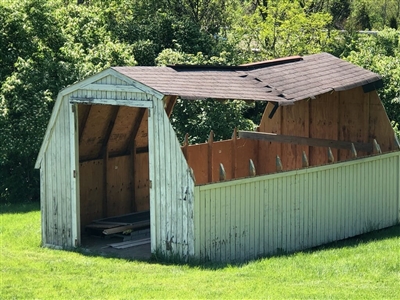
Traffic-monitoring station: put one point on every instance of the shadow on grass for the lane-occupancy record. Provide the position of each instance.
(171, 260)
(378, 235)
(19, 208)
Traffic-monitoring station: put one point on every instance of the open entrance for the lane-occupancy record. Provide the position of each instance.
(114, 175)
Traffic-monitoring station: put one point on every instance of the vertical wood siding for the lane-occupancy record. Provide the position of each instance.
(171, 195)
(244, 219)
(58, 185)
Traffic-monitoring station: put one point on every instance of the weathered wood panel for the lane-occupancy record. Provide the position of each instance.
(242, 219)
(172, 187)
(58, 185)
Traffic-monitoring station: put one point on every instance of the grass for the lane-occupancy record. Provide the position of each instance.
(366, 267)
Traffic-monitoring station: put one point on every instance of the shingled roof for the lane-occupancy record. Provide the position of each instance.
(283, 80)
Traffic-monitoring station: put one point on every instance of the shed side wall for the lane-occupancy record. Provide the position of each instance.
(244, 219)
(58, 185)
(172, 191)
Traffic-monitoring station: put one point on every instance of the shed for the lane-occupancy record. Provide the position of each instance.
(323, 164)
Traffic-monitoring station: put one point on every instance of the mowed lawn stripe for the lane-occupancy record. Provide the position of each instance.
(366, 267)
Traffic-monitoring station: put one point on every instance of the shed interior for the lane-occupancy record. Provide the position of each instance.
(114, 152)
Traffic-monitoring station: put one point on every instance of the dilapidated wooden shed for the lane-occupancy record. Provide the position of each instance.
(323, 165)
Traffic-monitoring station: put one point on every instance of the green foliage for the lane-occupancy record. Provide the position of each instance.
(47, 45)
(43, 48)
(381, 54)
(284, 28)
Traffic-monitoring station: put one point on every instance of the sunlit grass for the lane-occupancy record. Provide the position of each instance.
(364, 268)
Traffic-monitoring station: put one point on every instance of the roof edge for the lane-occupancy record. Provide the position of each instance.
(243, 67)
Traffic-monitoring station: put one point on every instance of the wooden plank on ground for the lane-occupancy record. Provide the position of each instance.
(136, 225)
(128, 244)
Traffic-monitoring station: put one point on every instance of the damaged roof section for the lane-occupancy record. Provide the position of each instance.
(282, 80)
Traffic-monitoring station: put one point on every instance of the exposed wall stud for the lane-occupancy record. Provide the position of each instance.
(222, 173)
(252, 168)
(331, 158)
(353, 151)
(377, 148)
(279, 167)
(304, 160)
(396, 141)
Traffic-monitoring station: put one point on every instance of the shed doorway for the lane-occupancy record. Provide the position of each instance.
(113, 171)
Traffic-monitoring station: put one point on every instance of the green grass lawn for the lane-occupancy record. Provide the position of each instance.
(367, 267)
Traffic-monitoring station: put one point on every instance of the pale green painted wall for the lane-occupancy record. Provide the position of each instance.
(244, 219)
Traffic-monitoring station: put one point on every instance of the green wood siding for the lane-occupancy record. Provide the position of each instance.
(244, 219)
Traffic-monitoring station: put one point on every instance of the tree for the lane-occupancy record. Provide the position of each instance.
(381, 54)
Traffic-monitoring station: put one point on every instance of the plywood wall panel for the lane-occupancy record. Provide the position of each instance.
(197, 160)
(245, 150)
(379, 124)
(222, 153)
(119, 186)
(92, 190)
(269, 150)
(142, 192)
(295, 121)
(93, 134)
(324, 122)
(353, 119)
(120, 134)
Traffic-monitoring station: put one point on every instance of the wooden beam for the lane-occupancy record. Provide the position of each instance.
(170, 104)
(133, 177)
(353, 151)
(105, 183)
(102, 101)
(279, 167)
(304, 160)
(252, 168)
(396, 141)
(135, 129)
(84, 119)
(222, 173)
(377, 148)
(298, 140)
(111, 122)
(137, 225)
(331, 158)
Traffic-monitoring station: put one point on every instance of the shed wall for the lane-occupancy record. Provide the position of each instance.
(350, 115)
(172, 187)
(60, 212)
(248, 218)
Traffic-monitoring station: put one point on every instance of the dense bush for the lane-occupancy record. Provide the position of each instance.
(47, 45)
